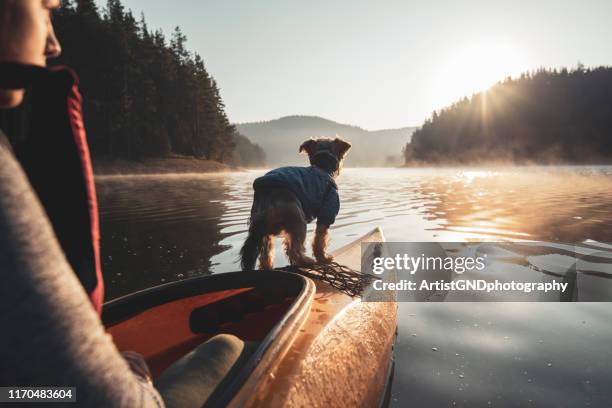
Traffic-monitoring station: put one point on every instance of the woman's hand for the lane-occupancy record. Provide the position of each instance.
(137, 364)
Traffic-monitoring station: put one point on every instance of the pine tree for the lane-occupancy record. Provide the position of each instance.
(547, 116)
(143, 96)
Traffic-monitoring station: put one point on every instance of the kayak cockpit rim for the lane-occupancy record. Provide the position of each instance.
(269, 350)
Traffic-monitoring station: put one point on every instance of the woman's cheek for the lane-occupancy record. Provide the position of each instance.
(24, 38)
(38, 34)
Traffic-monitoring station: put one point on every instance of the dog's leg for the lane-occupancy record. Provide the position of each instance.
(253, 244)
(266, 256)
(250, 249)
(294, 246)
(319, 244)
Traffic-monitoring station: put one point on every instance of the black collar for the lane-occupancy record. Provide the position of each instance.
(19, 76)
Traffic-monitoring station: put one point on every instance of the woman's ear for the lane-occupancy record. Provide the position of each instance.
(341, 146)
(308, 146)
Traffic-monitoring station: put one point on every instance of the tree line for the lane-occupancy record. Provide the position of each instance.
(547, 116)
(145, 95)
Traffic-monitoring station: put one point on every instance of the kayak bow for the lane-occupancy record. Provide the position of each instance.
(310, 344)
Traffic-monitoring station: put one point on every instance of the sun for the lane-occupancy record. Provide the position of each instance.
(475, 68)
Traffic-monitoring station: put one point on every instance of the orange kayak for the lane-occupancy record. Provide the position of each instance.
(310, 344)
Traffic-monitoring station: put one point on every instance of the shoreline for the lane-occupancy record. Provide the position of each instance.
(501, 164)
(166, 165)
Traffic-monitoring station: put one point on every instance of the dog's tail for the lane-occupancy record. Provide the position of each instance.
(254, 243)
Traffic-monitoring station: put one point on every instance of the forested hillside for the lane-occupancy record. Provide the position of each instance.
(145, 95)
(549, 116)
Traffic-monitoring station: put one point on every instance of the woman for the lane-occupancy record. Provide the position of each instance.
(49, 255)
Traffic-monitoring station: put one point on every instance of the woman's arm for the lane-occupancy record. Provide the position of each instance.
(51, 335)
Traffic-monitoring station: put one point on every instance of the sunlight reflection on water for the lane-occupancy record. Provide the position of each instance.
(161, 228)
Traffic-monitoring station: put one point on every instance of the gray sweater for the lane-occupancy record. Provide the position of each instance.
(50, 334)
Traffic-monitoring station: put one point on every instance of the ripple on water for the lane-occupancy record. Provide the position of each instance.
(163, 228)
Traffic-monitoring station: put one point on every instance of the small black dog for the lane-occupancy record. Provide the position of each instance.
(288, 198)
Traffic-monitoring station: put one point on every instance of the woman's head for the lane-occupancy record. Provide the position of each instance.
(26, 37)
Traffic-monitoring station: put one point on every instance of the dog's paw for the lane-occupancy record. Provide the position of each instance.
(325, 259)
(305, 261)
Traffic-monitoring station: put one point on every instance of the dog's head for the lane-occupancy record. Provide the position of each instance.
(326, 153)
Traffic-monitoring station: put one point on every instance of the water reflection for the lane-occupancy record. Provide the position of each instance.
(568, 204)
(156, 230)
(161, 228)
(503, 354)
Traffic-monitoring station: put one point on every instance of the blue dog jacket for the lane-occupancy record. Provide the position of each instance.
(316, 190)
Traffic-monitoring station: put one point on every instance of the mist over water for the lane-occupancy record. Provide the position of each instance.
(157, 229)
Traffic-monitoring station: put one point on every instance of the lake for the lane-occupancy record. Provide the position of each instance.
(156, 229)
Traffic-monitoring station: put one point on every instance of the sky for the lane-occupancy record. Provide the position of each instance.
(376, 64)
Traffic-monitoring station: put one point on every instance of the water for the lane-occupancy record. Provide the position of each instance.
(156, 229)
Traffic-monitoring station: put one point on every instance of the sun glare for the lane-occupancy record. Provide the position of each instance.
(475, 68)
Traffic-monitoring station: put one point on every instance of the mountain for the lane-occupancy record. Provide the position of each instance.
(281, 139)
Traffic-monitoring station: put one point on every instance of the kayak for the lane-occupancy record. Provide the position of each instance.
(309, 343)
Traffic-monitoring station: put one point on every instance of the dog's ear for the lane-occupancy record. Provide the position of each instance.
(341, 146)
(308, 146)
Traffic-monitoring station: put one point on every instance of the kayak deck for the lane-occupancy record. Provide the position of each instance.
(343, 351)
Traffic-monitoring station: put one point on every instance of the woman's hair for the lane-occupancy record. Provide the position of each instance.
(4, 4)
(4, 16)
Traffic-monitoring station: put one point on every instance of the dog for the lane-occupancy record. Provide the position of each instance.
(288, 198)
